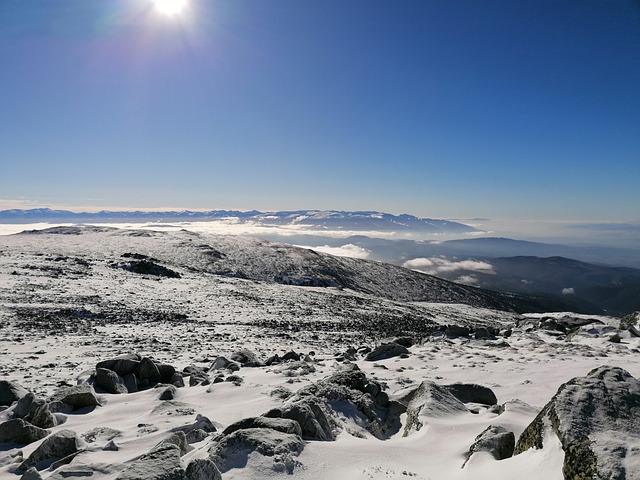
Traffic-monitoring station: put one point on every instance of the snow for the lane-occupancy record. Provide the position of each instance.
(114, 311)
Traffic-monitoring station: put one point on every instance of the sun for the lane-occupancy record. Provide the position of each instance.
(170, 7)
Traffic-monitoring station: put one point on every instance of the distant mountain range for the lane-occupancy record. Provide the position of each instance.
(323, 219)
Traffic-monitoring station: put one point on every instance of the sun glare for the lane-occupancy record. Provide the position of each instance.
(170, 7)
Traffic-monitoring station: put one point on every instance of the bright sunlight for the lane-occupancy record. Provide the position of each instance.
(170, 7)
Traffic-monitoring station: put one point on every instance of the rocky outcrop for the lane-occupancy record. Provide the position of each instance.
(232, 451)
(130, 373)
(597, 420)
(386, 350)
(10, 392)
(76, 397)
(495, 440)
(20, 432)
(284, 425)
(161, 463)
(203, 469)
(55, 447)
(472, 393)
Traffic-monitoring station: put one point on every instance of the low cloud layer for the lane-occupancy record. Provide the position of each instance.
(439, 265)
(348, 250)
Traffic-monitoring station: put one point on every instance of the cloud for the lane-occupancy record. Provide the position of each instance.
(467, 280)
(348, 250)
(568, 291)
(439, 265)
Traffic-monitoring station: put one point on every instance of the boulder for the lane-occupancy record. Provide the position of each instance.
(103, 434)
(284, 425)
(161, 463)
(122, 365)
(246, 358)
(55, 447)
(233, 450)
(148, 370)
(166, 372)
(386, 350)
(110, 381)
(429, 400)
(31, 474)
(177, 380)
(495, 440)
(310, 415)
(10, 392)
(130, 382)
(78, 396)
(35, 411)
(454, 331)
(168, 393)
(222, 363)
(178, 439)
(597, 420)
(20, 432)
(472, 393)
(291, 355)
(203, 469)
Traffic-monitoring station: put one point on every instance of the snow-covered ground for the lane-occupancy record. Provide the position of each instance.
(68, 301)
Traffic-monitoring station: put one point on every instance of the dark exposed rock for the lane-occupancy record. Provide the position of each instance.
(454, 331)
(203, 469)
(147, 370)
(168, 393)
(178, 439)
(55, 447)
(110, 381)
(310, 415)
(10, 392)
(284, 425)
(197, 376)
(470, 392)
(122, 365)
(386, 350)
(177, 380)
(233, 450)
(166, 372)
(246, 358)
(291, 355)
(146, 267)
(161, 463)
(130, 382)
(202, 424)
(222, 363)
(20, 432)
(604, 404)
(77, 396)
(35, 411)
(31, 474)
(495, 440)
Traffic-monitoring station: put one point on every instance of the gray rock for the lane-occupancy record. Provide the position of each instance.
(291, 356)
(178, 439)
(310, 415)
(285, 425)
(386, 350)
(161, 463)
(10, 392)
(130, 383)
(203, 469)
(79, 396)
(603, 405)
(454, 331)
(166, 372)
(223, 363)
(429, 400)
(31, 474)
(233, 450)
(122, 365)
(196, 436)
(147, 370)
(197, 376)
(55, 447)
(100, 434)
(168, 393)
(246, 358)
(201, 423)
(35, 411)
(177, 380)
(470, 392)
(110, 381)
(495, 440)
(20, 432)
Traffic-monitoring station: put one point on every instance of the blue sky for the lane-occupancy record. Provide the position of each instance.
(446, 109)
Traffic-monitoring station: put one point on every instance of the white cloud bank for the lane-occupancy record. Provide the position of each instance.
(568, 291)
(348, 250)
(439, 265)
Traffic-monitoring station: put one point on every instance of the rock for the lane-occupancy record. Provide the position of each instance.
(386, 350)
(196, 375)
(11, 392)
(168, 393)
(31, 474)
(273, 360)
(161, 463)
(203, 469)
(110, 381)
(35, 411)
(177, 380)
(246, 358)
(147, 370)
(102, 434)
(404, 341)
(166, 372)
(284, 425)
(122, 365)
(472, 393)
(495, 440)
(201, 423)
(178, 439)
(429, 400)
(111, 446)
(20, 432)
(597, 420)
(234, 449)
(84, 471)
(311, 417)
(78, 396)
(291, 355)
(130, 382)
(196, 436)
(55, 447)
(454, 331)
(483, 333)
(235, 379)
